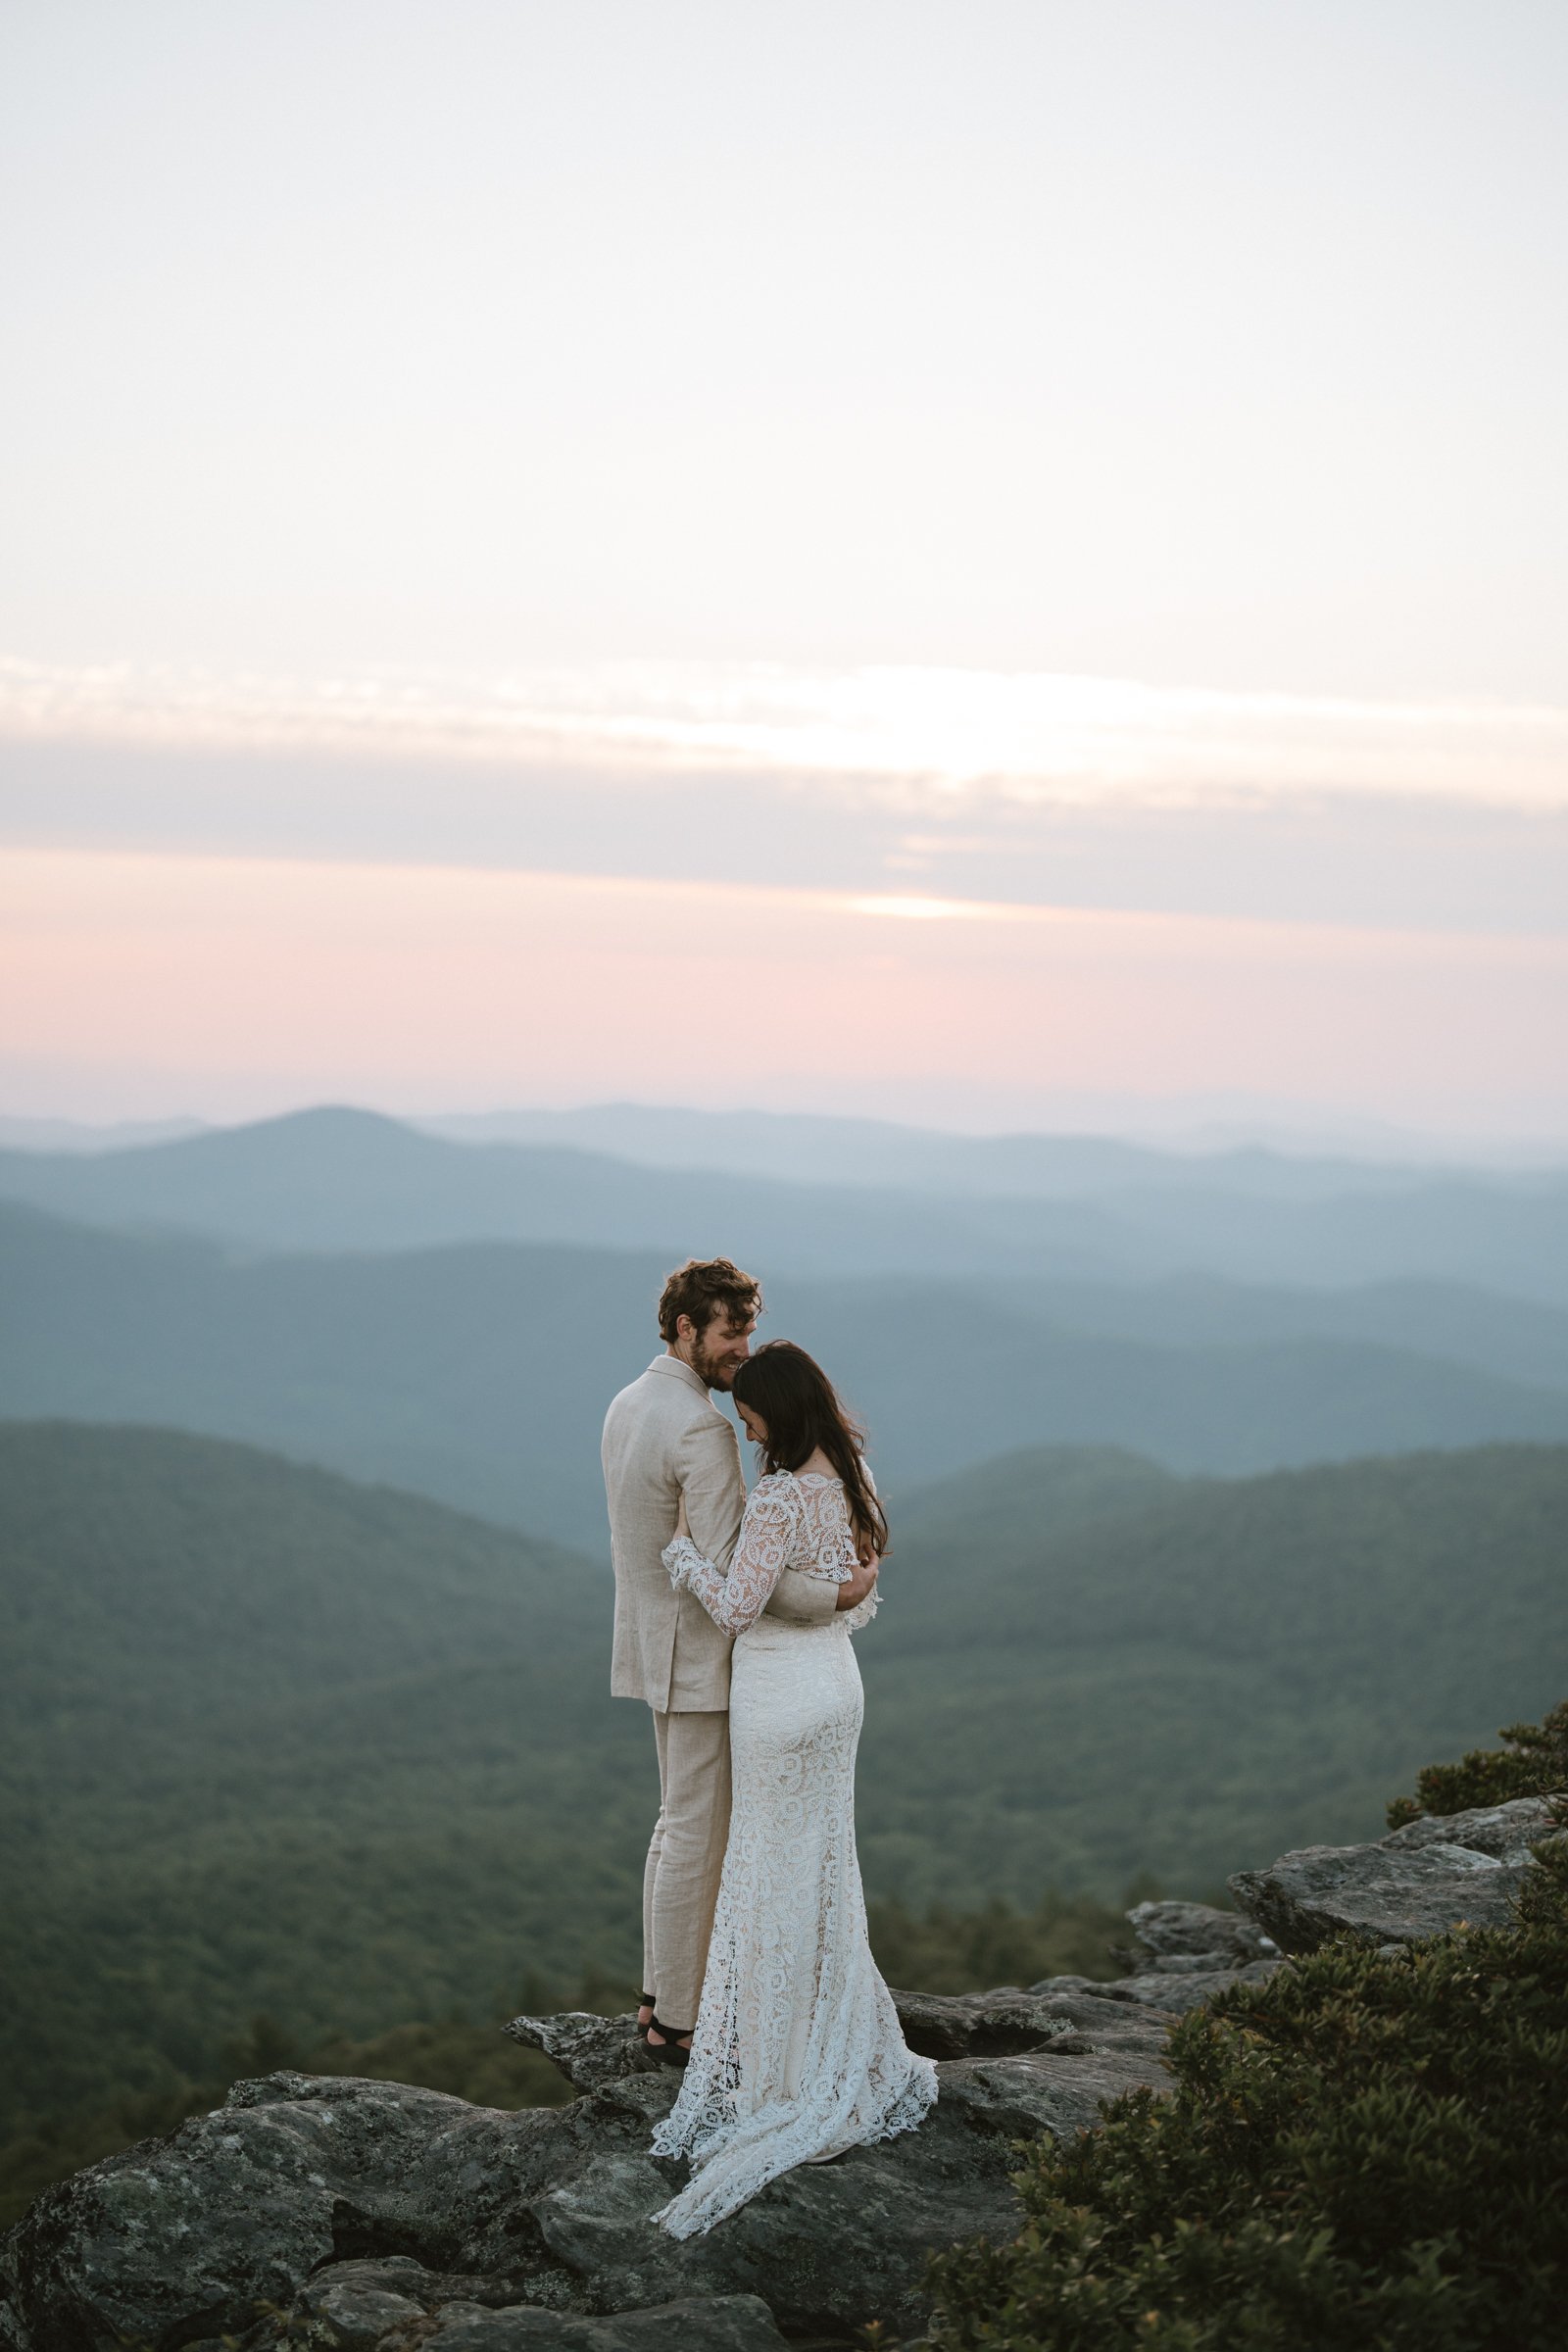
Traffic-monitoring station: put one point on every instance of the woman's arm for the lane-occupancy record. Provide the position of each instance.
(736, 1600)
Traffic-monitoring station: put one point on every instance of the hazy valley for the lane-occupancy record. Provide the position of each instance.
(455, 1316)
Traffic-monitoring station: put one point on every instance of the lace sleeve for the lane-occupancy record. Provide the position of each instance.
(762, 1556)
(853, 1620)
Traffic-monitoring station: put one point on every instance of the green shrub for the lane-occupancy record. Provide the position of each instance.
(1364, 2153)
(1533, 1763)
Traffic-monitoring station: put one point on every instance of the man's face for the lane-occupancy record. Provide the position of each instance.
(717, 1353)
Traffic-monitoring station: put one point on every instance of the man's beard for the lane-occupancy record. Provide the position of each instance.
(709, 1369)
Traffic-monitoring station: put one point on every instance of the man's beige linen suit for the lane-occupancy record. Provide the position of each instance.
(664, 1437)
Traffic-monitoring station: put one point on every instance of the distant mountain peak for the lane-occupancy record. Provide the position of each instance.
(322, 1135)
(318, 1118)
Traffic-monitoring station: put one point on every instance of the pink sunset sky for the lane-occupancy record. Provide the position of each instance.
(421, 988)
(996, 566)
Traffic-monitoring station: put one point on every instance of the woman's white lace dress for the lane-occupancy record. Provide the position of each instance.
(797, 2052)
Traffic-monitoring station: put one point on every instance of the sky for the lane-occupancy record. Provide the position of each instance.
(995, 564)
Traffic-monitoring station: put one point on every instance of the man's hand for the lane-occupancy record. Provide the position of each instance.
(863, 1576)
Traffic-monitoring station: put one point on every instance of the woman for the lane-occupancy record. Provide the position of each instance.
(798, 2054)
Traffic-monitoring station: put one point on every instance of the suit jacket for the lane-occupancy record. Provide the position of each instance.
(664, 1437)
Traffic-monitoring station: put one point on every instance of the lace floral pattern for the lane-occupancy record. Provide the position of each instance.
(797, 2052)
(790, 1522)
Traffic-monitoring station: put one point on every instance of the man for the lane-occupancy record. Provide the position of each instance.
(664, 1437)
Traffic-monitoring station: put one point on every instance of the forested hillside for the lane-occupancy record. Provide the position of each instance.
(479, 1374)
(275, 1742)
(1183, 1673)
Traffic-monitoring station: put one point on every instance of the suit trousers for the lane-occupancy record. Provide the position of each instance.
(685, 1860)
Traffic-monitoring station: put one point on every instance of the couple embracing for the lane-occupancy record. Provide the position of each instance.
(733, 1620)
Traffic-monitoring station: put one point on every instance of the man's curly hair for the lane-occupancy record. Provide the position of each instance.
(706, 1287)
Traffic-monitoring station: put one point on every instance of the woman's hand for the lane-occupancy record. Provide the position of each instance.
(684, 1526)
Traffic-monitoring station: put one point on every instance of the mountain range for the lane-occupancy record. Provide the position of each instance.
(332, 1180)
(279, 1741)
(801, 1148)
(478, 1374)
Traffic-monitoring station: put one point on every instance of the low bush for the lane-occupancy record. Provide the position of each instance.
(1532, 1762)
(1365, 2151)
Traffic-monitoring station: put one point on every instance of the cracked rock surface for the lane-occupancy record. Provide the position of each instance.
(1432, 1875)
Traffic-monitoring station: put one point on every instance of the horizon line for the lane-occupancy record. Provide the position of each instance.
(1211, 1135)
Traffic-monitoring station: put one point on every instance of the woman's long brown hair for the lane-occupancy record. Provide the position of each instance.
(788, 1390)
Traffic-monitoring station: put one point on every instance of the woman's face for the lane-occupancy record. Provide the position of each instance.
(755, 1425)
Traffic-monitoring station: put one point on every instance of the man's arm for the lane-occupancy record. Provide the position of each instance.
(708, 1465)
(803, 1600)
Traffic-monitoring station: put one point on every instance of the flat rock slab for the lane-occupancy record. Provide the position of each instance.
(1505, 1832)
(1437, 1872)
(357, 2202)
(1175, 1993)
(1041, 2092)
(1066, 2016)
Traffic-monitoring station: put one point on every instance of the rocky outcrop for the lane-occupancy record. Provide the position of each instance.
(374, 2217)
(1505, 1832)
(1190, 1951)
(1432, 1875)
(1184, 1939)
(353, 2201)
(1065, 2015)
